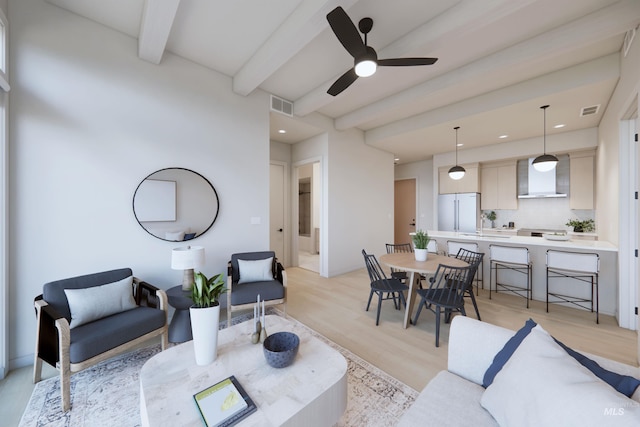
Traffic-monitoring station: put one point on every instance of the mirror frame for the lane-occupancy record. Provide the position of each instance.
(215, 193)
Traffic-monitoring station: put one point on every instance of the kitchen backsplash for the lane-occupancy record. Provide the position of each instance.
(551, 213)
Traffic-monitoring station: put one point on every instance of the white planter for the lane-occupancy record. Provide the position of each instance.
(421, 254)
(204, 326)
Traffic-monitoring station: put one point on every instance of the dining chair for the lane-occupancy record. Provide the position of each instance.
(474, 259)
(445, 294)
(386, 288)
(454, 246)
(399, 248)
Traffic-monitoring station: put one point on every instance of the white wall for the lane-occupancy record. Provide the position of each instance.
(616, 170)
(89, 120)
(360, 207)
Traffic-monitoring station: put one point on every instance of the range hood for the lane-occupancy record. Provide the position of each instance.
(533, 184)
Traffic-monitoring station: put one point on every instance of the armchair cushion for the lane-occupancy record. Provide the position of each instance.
(255, 270)
(97, 337)
(89, 304)
(246, 294)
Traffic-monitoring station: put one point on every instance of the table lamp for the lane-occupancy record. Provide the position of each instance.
(187, 258)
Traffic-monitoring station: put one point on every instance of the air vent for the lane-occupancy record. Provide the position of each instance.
(281, 106)
(588, 111)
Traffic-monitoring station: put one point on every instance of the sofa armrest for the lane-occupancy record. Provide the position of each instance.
(53, 331)
(147, 295)
(473, 345)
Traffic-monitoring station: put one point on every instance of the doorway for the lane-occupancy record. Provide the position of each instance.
(404, 201)
(308, 216)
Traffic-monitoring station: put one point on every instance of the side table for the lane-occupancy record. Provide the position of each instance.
(180, 326)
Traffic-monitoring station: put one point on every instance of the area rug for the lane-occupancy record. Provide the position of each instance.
(108, 394)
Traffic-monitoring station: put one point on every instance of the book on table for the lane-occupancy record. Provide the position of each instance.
(224, 403)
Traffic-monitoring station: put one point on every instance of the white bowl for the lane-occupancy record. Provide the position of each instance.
(551, 236)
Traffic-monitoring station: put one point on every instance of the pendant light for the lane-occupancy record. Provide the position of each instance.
(456, 172)
(546, 162)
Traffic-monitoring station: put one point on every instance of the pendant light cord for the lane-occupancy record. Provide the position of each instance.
(456, 128)
(544, 129)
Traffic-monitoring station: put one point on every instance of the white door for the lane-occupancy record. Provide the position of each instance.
(276, 211)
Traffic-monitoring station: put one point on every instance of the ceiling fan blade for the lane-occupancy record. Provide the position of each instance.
(343, 82)
(405, 62)
(346, 32)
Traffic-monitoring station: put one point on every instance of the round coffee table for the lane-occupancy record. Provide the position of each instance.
(180, 327)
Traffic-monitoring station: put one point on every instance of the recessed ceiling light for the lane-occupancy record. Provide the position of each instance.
(396, 159)
(503, 136)
(561, 125)
(282, 131)
(459, 144)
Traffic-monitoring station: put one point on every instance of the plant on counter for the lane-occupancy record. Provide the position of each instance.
(421, 239)
(491, 216)
(579, 226)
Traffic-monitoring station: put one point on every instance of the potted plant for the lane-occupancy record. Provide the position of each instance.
(420, 241)
(491, 216)
(205, 316)
(581, 226)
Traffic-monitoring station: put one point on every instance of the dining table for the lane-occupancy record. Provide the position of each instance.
(406, 261)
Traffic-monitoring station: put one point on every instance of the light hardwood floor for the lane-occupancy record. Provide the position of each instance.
(335, 308)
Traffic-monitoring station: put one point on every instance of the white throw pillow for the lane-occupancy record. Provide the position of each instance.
(94, 303)
(542, 385)
(177, 236)
(255, 270)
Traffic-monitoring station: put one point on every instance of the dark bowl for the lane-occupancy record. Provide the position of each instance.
(281, 348)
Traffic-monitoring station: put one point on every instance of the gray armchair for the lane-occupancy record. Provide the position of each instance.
(251, 274)
(87, 319)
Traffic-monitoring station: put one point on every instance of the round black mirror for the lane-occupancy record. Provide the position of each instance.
(175, 204)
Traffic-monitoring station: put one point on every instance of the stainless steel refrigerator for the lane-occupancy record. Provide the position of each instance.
(459, 212)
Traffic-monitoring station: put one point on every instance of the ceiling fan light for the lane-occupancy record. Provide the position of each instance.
(456, 172)
(366, 68)
(545, 162)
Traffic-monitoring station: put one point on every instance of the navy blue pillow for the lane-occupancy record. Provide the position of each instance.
(507, 351)
(622, 383)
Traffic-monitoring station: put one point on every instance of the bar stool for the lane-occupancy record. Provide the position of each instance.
(583, 267)
(452, 250)
(513, 259)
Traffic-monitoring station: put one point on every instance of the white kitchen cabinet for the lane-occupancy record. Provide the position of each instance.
(581, 180)
(499, 187)
(468, 183)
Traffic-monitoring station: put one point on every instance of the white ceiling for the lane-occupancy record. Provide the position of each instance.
(499, 61)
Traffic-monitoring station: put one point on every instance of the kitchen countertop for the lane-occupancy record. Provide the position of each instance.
(594, 245)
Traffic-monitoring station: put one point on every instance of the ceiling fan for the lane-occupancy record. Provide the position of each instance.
(365, 57)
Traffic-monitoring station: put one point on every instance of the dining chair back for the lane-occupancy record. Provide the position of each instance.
(445, 294)
(474, 259)
(383, 286)
(399, 248)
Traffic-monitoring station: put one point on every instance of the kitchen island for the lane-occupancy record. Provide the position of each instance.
(538, 246)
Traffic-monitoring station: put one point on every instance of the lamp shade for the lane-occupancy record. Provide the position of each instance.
(545, 162)
(187, 257)
(456, 172)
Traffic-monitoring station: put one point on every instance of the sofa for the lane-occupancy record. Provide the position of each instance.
(533, 380)
(84, 320)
